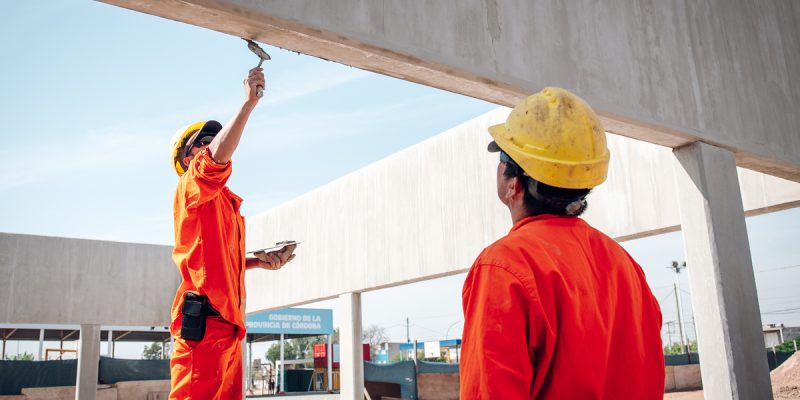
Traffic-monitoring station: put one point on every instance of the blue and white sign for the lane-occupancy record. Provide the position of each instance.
(311, 321)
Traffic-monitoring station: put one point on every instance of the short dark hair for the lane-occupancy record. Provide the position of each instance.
(540, 198)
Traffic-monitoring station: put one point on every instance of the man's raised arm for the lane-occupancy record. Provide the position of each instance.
(225, 143)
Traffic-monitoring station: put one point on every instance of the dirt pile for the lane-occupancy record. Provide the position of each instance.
(786, 379)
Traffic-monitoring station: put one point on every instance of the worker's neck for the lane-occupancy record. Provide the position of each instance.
(518, 212)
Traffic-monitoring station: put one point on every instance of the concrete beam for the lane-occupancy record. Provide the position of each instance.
(428, 211)
(135, 283)
(88, 362)
(720, 268)
(656, 71)
(351, 356)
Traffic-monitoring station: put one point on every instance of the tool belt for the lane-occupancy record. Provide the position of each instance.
(195, 310)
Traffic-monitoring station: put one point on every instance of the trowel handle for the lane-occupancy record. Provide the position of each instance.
(260, 89)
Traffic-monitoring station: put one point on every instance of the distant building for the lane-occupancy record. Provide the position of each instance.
(447, 350)
(388, 353)
(773, 335)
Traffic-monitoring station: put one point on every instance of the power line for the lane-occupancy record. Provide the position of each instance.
(784, 311)
(778, 268)
(661, 300)
(795, 296)
(660, 287)
(428, 329)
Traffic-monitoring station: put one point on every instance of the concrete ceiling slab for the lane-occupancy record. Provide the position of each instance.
(667, 72)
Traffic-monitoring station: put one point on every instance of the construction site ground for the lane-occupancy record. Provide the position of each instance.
(785, 383)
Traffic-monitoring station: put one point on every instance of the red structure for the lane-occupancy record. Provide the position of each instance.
(321, 355)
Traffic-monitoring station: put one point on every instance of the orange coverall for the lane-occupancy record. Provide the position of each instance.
(558, 310)
(209, 252)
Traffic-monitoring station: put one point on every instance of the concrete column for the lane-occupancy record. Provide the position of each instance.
(88, 362)
(247, 369)
(282, 370)
(724, 298)
(329, 352)
(41, 345)
(110, 343)
(351, 358)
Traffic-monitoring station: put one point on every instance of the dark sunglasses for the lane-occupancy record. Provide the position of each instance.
(504, 158)
(203, 141)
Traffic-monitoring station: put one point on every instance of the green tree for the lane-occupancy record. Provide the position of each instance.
(374, 335)
(335, 336)
(152, 352)
(788, 346)
(677, 348)
(294, 349)
(22, 357)
(399, 357)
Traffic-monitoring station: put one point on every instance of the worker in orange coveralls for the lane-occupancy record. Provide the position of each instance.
(556, 309)
(208, 310)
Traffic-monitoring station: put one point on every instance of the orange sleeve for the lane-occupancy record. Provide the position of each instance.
(496, 358)
(205, 179)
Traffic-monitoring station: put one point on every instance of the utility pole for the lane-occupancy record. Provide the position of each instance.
(669, 333)
(677, 267)
(408, 335)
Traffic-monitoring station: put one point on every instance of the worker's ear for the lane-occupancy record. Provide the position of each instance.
(518, 188)
(508, 189)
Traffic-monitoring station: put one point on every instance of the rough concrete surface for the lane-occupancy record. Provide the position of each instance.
(722, 281)
(682, 378)
(410, 209)
(669, 378)
(141, 390)
(687, 377)
(77, 275)
(662, 70)
(104, 392)
(694, 395)
(438, 386)
(134, 390)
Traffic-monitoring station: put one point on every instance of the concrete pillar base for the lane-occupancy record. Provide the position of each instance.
(352, 355)
(88, 362)
(721, 277)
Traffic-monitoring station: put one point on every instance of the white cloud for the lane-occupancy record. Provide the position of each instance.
(301, 129)
(122, 146)
(306, 82)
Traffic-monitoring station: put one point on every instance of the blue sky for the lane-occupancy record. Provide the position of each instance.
(92, 94)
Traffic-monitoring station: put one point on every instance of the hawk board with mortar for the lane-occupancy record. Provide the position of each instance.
(278, 249)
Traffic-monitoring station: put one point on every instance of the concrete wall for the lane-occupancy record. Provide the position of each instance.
(142, 390)
(134, 390)
(422, 213)
(48, 280)
(682, 377)
(430, 209)
(438, 386)
(669, 72)
(104, 392)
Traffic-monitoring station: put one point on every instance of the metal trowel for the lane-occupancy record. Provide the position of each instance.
(255, 48)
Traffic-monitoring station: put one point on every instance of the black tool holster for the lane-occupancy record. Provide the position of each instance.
(195, 310)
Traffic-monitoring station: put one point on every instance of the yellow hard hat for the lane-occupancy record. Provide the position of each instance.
(556, 138)
(184, 137)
